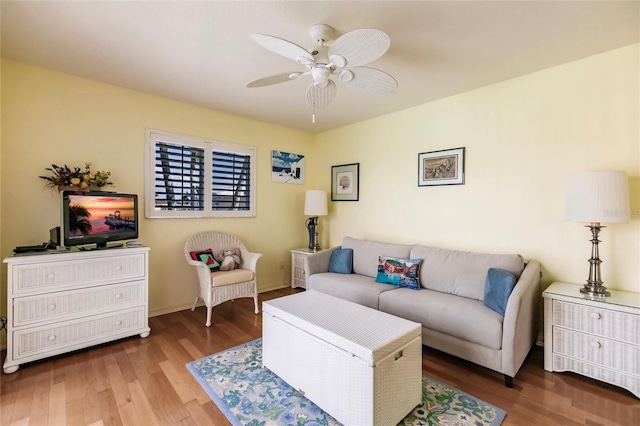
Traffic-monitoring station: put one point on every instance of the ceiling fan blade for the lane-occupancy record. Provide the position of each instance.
(320, 97)
(282, 47)
(369, 80)
(360, 47)
(272, 79)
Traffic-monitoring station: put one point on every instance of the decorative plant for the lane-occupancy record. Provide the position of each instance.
(65, 176)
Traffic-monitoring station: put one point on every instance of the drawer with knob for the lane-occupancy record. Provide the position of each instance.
(69, 304)
(63, 336)
(597, 350)
(599, 321)
(64, 275)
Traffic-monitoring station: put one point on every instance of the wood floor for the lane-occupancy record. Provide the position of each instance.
(144, 381)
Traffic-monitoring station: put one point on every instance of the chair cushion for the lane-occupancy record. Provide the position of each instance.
(234, 276)
(341, 261)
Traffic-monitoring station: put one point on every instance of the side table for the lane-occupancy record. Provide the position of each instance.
(595, 337)
(298, 276)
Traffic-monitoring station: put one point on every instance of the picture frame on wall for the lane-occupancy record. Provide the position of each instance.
(345, 182)
(287, 167)
(445, 167)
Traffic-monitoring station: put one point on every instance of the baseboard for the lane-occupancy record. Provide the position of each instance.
(169, 310)
(274, 287)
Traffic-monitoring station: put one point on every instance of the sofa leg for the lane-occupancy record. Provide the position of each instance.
(508, 381)
(255, 304)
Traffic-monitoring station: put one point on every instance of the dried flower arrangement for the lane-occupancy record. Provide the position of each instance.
(75, 178)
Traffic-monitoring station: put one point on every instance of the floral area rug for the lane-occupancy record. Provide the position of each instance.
(249, 394)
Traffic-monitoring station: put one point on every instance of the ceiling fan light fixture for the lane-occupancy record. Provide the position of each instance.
(320, 76)
(353, 49)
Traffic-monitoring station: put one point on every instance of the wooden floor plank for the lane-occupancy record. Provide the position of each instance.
(117, 384)
(138, 381)
(141, 404)
(177, 381)
(57, 405)
(109, 413)
(128, 415)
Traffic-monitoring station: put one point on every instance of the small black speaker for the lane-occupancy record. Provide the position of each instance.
(54, 235)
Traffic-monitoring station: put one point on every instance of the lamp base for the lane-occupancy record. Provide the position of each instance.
(595, 290)
(594, 287)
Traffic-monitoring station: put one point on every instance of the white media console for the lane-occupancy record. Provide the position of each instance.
(61, 302)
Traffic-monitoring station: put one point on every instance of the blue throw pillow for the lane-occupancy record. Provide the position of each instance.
(497, 289)
(399, 272)
(341, 261)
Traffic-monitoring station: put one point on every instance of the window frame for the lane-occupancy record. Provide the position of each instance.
(209, 146)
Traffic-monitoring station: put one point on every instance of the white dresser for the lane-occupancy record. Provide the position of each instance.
(598, 338)
(60, 302)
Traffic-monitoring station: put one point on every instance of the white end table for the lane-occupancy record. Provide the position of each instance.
(595, 337)
(298, 275)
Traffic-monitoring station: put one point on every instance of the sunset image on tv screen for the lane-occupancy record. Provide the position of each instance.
(91, 215)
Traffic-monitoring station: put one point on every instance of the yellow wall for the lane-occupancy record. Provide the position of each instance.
(50, 117)
(523, 137)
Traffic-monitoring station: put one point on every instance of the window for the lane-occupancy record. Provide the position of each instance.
(193, 177)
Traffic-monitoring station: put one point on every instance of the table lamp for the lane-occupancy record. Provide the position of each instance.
(315, 204)
(595, 198)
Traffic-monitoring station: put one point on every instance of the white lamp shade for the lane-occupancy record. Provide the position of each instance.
(315, 203)
(601, 196)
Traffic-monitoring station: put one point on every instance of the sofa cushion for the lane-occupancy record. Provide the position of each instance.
(497, 289)
(460, 317)
(353, 287)
(341, 261)
(459, 272)
(399, 272)
(365, 254)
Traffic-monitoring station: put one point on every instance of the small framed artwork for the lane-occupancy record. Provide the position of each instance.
(345, 181)
(444, 167)
(287, 167)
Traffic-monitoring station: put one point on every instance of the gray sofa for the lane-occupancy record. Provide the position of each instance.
(449, 304)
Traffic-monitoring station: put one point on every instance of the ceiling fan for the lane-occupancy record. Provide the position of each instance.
(343, 59)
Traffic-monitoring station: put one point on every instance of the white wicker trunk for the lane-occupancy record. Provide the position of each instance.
(361, 366)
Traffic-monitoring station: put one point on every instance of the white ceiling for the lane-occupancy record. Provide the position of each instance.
(201, 52)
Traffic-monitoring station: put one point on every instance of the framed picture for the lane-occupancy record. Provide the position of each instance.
(287, 167)
(345, 181)
(444, 167)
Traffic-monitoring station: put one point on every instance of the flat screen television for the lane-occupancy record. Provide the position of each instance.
(98, 218)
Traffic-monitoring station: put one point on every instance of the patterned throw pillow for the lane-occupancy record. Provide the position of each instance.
(206, 257)
(399, 272)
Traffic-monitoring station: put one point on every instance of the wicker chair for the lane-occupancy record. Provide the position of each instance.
(218, 287)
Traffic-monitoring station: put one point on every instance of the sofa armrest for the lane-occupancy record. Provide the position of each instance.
(317, 263)
(520, 326)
